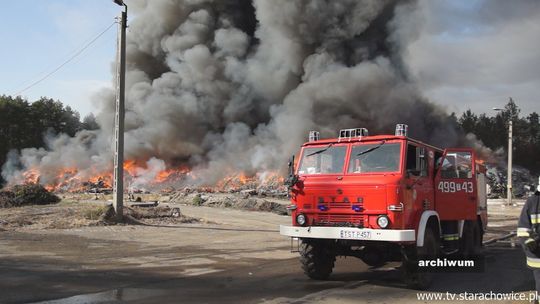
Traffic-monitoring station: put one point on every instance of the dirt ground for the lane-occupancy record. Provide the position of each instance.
(63, 254)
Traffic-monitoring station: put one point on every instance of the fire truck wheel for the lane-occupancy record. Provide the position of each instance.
(373, 257)
(471, 241)
(317, 261)
(412, 276)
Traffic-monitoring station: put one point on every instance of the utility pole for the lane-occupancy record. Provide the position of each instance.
(509, 172)
(509, 184)
(118, 183)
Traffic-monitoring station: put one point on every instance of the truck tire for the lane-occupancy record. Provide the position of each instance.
(317, 260)
(414, 278)
(373, 257)
(471, 240)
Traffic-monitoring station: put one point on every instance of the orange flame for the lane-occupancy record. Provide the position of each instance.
(131, 167)
(70, 179)
(241, 181)
(165, 175)
(31, 176)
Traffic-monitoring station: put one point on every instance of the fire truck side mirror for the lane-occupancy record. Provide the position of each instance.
(292, 179)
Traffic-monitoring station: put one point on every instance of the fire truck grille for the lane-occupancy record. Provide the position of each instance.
(338, 205)
(345, 220)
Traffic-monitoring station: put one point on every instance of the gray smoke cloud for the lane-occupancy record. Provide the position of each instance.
(235, 86)
(475, 54)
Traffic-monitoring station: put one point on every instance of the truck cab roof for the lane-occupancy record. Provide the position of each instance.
(364, 139)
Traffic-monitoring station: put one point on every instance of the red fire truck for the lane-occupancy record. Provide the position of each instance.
(384, 198)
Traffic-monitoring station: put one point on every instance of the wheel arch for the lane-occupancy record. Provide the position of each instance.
(429, 218)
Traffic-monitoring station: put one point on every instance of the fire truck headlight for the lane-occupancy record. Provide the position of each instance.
(383, 221)
(301, 219)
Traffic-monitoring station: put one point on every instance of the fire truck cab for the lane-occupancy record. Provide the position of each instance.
(384, 198)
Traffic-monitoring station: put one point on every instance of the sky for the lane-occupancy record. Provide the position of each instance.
(476, 54)
(467, 54)
(38, 36)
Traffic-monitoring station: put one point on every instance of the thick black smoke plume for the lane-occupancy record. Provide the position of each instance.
(227, 86)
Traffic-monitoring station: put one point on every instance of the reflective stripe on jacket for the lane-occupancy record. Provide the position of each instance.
(523, 232)
(528, 228)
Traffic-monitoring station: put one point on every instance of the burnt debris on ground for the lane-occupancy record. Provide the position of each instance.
(26, 194)
(75, 214)
(247, 199)
(157, 215)
(91, 205)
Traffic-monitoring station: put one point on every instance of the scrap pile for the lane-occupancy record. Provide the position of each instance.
(26, 194)
(523, 182)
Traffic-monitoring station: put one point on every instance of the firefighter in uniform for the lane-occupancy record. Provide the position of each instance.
(528, 233)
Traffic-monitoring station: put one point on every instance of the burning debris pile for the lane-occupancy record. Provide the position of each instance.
(239, 192)
(229, 88)
(523, 183)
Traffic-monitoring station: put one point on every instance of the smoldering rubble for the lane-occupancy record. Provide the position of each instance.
(235, 86)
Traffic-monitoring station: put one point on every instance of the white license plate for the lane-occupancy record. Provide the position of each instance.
(355, 235)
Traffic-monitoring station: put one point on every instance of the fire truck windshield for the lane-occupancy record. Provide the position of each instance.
(380, 158)
(323, 160)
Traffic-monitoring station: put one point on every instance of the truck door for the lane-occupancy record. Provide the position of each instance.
(455, 185)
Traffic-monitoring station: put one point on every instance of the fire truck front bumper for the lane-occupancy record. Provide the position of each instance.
(349, 233)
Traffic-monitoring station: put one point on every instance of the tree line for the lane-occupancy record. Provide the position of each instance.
(493, 132)
(23, 124)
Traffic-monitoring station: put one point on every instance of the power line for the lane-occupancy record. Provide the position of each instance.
(51, 65)
(67, 61)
